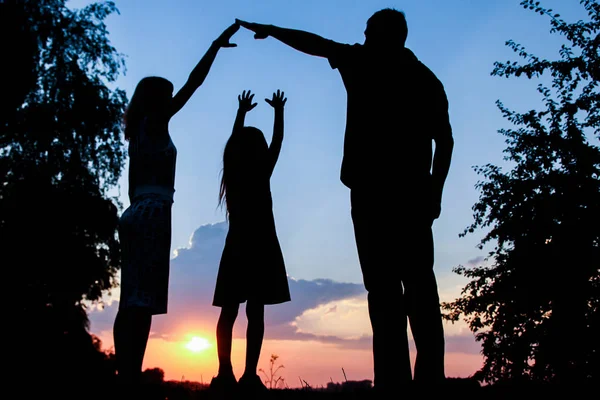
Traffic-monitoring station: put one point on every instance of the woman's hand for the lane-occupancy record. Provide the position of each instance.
(225, 37)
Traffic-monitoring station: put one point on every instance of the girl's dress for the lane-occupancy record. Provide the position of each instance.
(252, 267)
(145, 226)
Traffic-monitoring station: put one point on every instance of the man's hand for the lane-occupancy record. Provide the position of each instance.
(260, 30)
(436, 205)
(245, 101)
(225, 37)
(436, 210)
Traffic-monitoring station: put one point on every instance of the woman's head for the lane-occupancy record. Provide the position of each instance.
(152, 96)
(244, 162)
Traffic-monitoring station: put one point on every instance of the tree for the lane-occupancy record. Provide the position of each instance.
(18, 72)
(61, 151)
(153, 376)
(536, 306)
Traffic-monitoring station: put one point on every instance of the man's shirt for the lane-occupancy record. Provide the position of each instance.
(396, 106)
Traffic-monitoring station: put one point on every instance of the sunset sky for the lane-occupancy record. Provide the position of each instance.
(325, 327)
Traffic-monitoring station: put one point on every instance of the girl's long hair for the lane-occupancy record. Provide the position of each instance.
(243, 164)
(146, 99)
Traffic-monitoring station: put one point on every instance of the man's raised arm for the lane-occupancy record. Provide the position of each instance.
(305, 42)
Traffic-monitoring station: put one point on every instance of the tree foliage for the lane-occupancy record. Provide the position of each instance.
(61, 151)
(535, 306)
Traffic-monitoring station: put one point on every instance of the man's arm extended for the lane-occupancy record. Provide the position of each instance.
(305, 42)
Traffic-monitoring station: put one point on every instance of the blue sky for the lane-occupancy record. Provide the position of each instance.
(458, 40)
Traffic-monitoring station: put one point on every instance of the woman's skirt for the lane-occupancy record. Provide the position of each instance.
(145, 237)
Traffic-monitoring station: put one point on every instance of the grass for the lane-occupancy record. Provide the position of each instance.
(454, 389)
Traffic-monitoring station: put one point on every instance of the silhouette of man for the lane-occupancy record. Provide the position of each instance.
(396, 107)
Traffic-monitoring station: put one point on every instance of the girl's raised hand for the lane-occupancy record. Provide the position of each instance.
(278, 100)
(245, 101)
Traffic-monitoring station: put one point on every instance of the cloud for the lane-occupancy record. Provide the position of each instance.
(475, 262)
(191, 287)
(321, 309)
(348, 320)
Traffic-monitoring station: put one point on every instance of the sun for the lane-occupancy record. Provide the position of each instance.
(197, 344)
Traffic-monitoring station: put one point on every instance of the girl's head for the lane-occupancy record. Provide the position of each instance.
(244, 163)
(152, 96)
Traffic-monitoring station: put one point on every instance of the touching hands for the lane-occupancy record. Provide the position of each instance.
(225, 37)
(260, 30)
(278, 100)
(245, 101)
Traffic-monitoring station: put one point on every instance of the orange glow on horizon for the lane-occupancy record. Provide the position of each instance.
(315, 362)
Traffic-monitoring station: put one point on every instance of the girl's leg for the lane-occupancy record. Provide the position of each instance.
(224, 338)
(254, 335)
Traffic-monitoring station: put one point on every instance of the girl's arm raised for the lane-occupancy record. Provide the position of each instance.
(199, 73)
(246, 105)
(278, 103)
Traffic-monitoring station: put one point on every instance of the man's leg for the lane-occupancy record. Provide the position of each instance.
(391, 362)
(423, 306)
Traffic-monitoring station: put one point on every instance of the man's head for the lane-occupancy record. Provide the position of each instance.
(386, 28)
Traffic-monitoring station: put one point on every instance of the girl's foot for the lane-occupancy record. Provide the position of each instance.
(252, 383)
(223, 382)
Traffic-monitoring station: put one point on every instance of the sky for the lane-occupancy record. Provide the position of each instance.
(325, 327)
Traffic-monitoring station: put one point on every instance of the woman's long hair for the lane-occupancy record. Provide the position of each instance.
(243, 165)
(149, 96)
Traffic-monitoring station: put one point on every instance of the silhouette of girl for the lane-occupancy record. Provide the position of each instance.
(252, 268)
(145, 226)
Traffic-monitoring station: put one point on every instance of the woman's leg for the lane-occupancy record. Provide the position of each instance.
(225, 336)
(254, 335)
(131, 331)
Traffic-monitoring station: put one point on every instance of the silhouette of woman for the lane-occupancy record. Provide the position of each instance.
(145, 226)
(252, 267)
